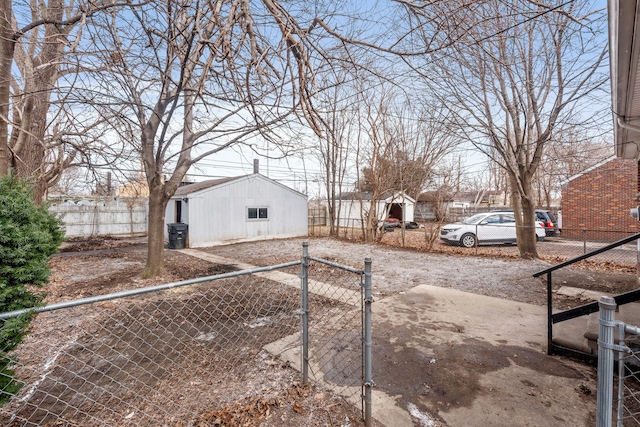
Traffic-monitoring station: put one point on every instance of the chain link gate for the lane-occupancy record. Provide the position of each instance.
(184, 353)
(619, 343)
(337, 329)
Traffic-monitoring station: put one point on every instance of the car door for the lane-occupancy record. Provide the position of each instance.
(489, 229)
(508, 228)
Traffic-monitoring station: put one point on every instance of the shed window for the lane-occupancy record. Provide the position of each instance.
(257, 213)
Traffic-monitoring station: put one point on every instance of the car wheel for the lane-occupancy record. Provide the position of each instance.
(468, 240)
(539, 238)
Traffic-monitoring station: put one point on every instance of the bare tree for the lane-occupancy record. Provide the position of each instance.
(188, 79)
(404, 147)
(134, 193)
(35, 142)
(377, 179)
(338, 113)
(72, 182)
(569, 153)
(513, 78)
(437, 202)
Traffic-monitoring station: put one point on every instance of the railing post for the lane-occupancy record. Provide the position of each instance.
(549, 315)
(304, 313)
(604, 396)
(368, 381)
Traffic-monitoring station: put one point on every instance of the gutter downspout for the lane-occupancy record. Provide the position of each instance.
(627, 126)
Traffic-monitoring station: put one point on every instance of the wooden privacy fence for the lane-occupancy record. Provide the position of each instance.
(90, 218)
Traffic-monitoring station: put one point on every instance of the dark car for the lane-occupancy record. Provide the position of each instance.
(549, 220)
(544, 216)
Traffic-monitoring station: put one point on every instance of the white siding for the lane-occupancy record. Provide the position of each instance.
(353, 212)
(218, 214)
(409, 211)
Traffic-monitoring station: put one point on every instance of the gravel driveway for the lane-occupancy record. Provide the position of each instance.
(433, 364)
(397, 270)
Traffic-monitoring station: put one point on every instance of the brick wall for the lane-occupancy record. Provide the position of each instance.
(597, 202)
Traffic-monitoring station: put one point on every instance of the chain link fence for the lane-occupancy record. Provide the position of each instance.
(339, 351)
(499, 240)
(209, 351)
(618, 342)
(628, 400)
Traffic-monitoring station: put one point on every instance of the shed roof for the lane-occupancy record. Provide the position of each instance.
(203, 185)
(430, 196)
(367, 195)
(197, 186)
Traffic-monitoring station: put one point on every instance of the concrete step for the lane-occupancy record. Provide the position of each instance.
(570, 334)
(581, 333)
(627, 313)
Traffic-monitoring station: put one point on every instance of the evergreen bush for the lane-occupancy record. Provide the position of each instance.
(29, 235)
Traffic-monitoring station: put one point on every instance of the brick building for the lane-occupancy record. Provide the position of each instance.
(596, 202)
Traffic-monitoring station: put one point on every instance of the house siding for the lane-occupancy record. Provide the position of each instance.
(423, 212)
(352, 213)
(218, 215)
(595, 205)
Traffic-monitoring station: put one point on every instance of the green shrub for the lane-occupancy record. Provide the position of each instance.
(29, 234)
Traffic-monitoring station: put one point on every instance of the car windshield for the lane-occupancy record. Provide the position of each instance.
(474, 219)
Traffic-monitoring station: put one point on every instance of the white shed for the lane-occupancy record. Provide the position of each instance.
(353, 207)
(238, 209)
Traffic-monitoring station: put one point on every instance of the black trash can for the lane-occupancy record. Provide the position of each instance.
(178, 235)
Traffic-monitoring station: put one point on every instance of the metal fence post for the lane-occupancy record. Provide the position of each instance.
(304, 313)
(638, 258)
(368, 381)
(604, 395)
(584, 241)
(619, 412)
(476, 239)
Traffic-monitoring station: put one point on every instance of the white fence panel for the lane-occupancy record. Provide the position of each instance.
(84, 219)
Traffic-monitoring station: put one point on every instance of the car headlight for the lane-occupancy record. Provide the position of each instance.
(450, 230)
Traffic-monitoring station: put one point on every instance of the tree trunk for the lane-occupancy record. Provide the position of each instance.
(7, 47)
(524, 208)
(155, 239)
(30, 152)
(42, 72)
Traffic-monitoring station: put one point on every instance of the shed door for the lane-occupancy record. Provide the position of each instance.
(178, 211)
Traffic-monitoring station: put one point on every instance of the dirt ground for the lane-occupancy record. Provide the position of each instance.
(89, 268)
(93, 351)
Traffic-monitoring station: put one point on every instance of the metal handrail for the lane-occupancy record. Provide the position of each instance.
(578, 311)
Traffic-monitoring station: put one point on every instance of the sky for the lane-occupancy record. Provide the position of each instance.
(301, 172)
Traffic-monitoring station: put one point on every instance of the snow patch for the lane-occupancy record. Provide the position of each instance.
(424, 418)
(260, 321)
(210, 336)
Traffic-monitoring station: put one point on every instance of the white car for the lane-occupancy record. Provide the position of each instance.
(485, 228)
